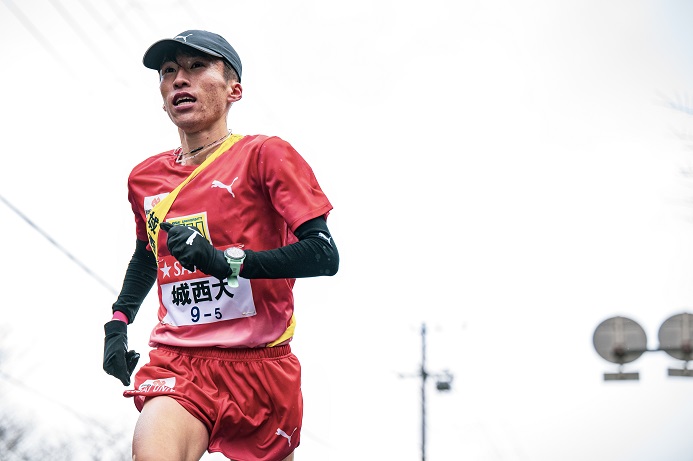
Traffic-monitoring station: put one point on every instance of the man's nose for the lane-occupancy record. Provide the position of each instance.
(182, 78)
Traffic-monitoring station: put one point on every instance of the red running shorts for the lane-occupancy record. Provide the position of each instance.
(249, 399)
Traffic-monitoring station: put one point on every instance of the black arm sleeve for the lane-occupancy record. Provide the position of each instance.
(139, 279)
(314, 254)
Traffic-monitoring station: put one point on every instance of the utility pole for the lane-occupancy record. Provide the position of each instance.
(424, 376)
(443, 383)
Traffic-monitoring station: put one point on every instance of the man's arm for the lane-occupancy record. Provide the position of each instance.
(140, 275)
(315, 254)
(139, 279)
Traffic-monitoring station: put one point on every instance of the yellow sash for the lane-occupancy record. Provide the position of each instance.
(158, 212)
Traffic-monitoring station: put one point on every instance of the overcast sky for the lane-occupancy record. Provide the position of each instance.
(508, 172)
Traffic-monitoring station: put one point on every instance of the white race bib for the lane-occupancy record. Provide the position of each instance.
(196, 301)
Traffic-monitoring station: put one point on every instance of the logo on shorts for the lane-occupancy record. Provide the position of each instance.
(158, 385)
(285, 435)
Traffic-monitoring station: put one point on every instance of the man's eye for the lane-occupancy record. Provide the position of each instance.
(197, 64)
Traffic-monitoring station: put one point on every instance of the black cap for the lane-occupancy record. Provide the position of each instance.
(201, 40)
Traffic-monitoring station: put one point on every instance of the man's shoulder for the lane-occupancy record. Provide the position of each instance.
(155, 162)
(265, 145)
(262, 139)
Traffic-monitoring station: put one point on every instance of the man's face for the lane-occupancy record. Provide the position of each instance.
(195, 92)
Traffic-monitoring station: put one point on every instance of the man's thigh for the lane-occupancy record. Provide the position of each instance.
(165, 430)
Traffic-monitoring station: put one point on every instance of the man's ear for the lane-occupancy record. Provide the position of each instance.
(235, 92)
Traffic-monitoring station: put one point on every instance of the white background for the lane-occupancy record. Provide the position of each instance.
(511, 173)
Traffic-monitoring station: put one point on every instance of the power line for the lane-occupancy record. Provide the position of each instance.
(108, 26)
(28, 24)
(60, 247)
(94, 13)
(88, 421)
(191, 11)
(84, 37)
(74, 25)
(121, 14)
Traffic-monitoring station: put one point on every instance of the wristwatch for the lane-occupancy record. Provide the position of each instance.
(235, 257)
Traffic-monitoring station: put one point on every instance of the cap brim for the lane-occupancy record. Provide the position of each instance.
(154, 56)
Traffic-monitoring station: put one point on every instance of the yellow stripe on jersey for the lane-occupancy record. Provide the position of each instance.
(288, 333)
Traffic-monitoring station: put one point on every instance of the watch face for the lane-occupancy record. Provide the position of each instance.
(234, 253)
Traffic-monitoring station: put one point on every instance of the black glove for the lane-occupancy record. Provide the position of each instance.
(118, 361)
(192, 250)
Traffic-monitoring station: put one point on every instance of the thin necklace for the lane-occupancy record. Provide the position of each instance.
(197, 151)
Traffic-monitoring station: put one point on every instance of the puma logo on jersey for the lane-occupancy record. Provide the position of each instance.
(221, 185)
(285, 435)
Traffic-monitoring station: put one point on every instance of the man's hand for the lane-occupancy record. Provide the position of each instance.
(193, 250)
(117, 360)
